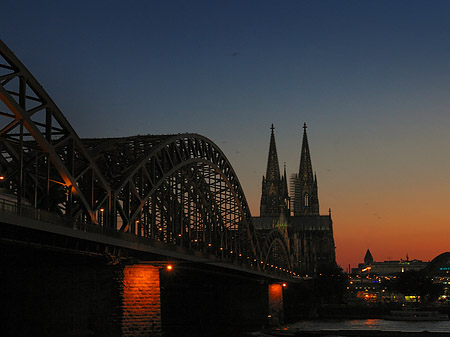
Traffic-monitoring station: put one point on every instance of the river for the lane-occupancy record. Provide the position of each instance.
(364, 324)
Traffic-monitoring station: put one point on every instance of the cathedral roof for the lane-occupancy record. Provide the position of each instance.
(303, 223)
(312, 222)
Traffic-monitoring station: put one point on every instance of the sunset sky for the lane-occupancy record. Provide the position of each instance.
(371, 80)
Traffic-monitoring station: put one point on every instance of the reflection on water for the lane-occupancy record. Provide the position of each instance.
(369, 324)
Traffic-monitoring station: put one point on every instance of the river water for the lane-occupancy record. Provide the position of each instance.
(367, 324)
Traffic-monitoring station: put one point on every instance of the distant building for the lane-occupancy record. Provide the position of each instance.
(369, 282)
(439, 270)
(387, 268)
(439, 266)
(310, 234)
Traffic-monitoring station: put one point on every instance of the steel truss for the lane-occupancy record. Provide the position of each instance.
(43, 161)
(276, 252)
(177, 189)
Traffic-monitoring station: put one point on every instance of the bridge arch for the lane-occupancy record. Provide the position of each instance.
(42, 160)
(179, 189)
(276, 252)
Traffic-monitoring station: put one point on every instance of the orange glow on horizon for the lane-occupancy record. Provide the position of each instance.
(388, 218)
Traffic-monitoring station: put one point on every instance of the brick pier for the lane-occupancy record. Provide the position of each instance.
(141, 301)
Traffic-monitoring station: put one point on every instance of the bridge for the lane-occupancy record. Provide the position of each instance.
(156, 200)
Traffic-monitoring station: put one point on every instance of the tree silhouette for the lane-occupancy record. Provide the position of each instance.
(417, 283)
(330, 283)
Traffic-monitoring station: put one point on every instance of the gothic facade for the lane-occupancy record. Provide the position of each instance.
(296, 215)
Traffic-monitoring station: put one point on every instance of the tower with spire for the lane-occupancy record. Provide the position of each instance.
(274, 197)
(310, 235)
(304, 184)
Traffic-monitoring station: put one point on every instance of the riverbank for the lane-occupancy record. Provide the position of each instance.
(346, 311)
(360, 328)
(357, 333)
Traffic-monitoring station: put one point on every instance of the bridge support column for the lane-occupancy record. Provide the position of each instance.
(276, 312)
(141, 301)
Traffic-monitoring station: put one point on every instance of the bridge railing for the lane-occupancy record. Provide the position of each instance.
(28, 211)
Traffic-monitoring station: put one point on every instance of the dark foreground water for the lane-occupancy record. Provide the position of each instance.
(367, 324)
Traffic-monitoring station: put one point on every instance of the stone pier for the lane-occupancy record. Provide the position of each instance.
(141, 301)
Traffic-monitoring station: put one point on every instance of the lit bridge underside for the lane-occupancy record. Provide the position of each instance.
(168, 194)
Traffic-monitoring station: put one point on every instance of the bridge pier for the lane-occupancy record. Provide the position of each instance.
(62, 293)
(140, 301)
(191, 301)
(276, 310)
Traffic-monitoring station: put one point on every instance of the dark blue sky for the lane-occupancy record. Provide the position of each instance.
(371, 79)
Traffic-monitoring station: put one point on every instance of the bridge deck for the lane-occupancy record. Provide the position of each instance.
(48, 222)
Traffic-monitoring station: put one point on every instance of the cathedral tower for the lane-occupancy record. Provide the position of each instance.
(274, 198)
(308, 234)
(306, 200)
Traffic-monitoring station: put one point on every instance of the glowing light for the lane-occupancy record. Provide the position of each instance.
(2, 178)
(169, 267)
(102, 210)
(284, 285)
(133, 288)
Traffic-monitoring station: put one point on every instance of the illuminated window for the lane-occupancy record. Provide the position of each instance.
(306, 200)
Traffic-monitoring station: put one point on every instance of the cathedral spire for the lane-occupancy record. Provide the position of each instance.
(306, 200)
(273, 168)
(273, 198)
(305, 170)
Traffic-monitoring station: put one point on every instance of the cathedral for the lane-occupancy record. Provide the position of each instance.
(296, 214)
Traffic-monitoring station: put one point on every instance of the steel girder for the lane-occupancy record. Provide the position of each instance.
(276, 253)
(179, 189)
(42, 159)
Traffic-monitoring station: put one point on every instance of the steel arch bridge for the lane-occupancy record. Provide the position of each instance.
(276, 251)
(177, 189)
